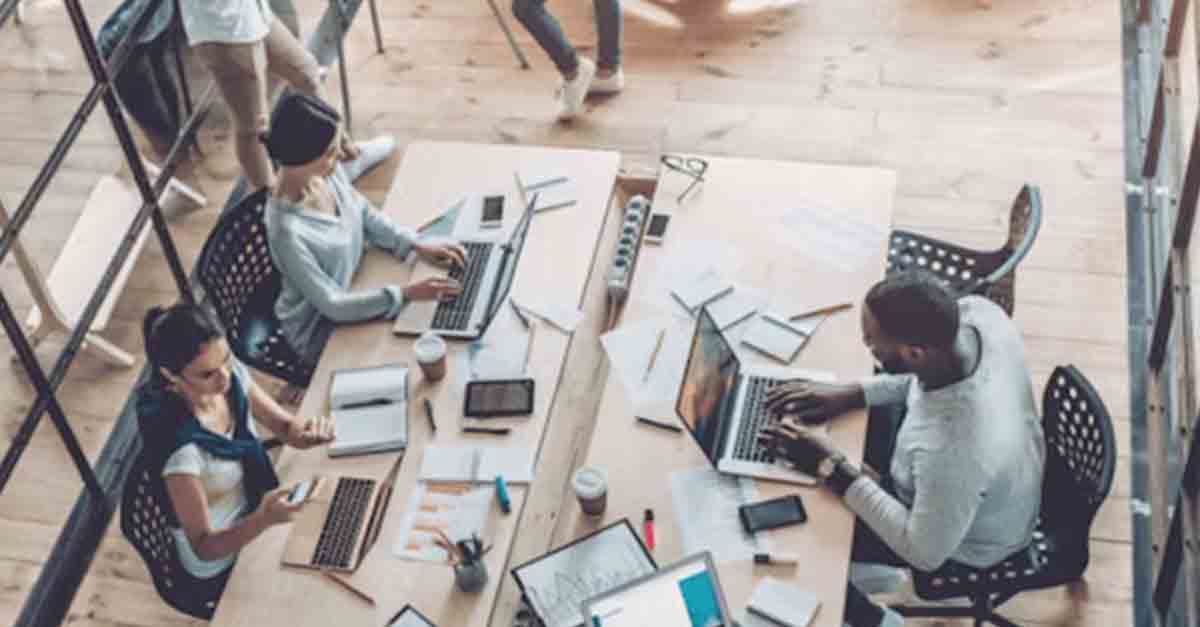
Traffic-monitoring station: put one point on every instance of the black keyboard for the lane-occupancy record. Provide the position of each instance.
(347, 513)
(453, 315)
(754, 419)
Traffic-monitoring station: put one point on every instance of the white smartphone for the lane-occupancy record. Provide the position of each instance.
(657, 229)
(299, 493)
(492, 216)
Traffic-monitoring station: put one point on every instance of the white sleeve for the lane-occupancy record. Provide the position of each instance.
(187, 460)
(886, 389)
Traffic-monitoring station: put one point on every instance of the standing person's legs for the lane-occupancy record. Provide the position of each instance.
(240, 72)
(549, 34)
(608, 34)
(165, 82)
(135, 86)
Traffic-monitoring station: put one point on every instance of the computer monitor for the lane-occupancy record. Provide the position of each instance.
(684, 594)
(708, 382)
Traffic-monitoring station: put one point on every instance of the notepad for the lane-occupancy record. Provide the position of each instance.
(555, 190)
(697, 291)
(774, 336)
(370, 409)
(477, 463)
(733, 307)
(784, 604)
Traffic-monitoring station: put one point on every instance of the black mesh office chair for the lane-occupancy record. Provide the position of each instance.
(242, 284)
(989, 273)
(1081, 456)
(146, 521)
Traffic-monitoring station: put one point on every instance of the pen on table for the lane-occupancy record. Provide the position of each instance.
(429, 414)
(648, 528)
(660, 424)
(368, 403)
(347, 585)
(487, 430)
(654, 355)
(822, 311)
(595, 620)
(502, 495)
(776, 558)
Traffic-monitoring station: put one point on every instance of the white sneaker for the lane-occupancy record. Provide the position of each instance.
(572, 92)
(610, 84)
(370, 154)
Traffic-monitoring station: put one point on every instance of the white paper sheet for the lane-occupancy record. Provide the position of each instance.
(630, 347)
(455, 511)
(706, 504)
(738, 306)
(477, 463)
(565, 317)
(829, 236)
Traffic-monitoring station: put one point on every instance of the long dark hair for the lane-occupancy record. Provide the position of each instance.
(174, 335)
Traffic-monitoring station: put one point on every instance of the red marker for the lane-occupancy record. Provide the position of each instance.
(648, 528)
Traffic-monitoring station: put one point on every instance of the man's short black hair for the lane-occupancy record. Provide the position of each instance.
(913, 307)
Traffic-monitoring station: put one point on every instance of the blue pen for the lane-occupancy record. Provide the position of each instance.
(502, 495)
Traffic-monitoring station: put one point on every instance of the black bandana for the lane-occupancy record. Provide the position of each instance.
(301, 129)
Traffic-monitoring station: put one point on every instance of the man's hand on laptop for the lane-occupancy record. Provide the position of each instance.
(804, 448)
(442, 252)
(433, 289)
(814, 402)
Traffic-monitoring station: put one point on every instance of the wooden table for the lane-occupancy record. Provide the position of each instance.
(557, 257)
(741, 203)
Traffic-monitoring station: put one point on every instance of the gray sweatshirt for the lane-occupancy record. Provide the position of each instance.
(318, 253)
(967, 468)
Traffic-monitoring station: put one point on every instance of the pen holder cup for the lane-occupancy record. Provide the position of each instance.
(471, 577)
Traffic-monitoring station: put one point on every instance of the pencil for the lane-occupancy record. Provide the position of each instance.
(529, 347)
(654, 355)
(823, 311)
(347, 585)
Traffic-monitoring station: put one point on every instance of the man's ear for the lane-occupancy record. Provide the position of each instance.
(913, 353)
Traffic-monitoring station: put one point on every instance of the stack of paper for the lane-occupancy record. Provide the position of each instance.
(554, 190)
(782, 603)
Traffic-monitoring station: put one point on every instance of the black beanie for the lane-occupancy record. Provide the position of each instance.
(301, 128)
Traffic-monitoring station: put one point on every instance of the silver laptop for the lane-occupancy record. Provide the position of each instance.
(721, 405)
(684, 594)
(486, 279)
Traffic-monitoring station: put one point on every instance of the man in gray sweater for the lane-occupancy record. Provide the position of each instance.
(960, 472)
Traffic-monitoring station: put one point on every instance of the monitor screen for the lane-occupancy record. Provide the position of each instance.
(685, 595)
(710, 375)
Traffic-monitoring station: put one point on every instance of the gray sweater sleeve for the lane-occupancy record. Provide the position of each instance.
(378, 228)
(947, 495)
(886, 389)
(301, 268)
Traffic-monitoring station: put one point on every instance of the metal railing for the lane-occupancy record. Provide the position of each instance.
(1163, 185)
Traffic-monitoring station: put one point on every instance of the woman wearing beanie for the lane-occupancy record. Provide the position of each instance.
(317, 229)
(241, 42)
(196, 413)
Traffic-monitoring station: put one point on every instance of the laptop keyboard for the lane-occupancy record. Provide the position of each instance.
(453, 315)
(347, 513)
(754, 419)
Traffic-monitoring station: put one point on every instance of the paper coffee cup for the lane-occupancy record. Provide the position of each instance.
(591, 488)
(430, 350)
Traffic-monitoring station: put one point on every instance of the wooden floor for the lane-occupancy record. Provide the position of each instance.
(966, 105)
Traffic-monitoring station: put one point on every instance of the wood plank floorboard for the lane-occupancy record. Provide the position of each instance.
(965, 105)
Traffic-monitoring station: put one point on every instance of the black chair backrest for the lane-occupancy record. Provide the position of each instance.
(1081, 455)
(242, 284)
(146, 521)
(1024, 222)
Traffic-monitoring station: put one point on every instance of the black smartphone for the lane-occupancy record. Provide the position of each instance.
(486, 399)
(493, 212)
(657, 229)
(785, 510)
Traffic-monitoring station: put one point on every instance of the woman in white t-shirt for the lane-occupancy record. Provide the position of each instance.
(197, 411)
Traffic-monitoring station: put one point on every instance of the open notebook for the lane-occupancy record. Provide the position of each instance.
(370, 409)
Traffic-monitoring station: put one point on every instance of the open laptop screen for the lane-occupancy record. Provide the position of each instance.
(709, 378)
(516, 243)
(685, 594)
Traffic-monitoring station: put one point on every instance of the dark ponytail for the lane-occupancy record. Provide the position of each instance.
(174, 335)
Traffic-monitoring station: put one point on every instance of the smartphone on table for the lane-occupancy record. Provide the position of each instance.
(780, 512)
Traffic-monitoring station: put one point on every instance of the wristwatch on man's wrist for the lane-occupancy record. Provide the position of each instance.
(837, 473)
